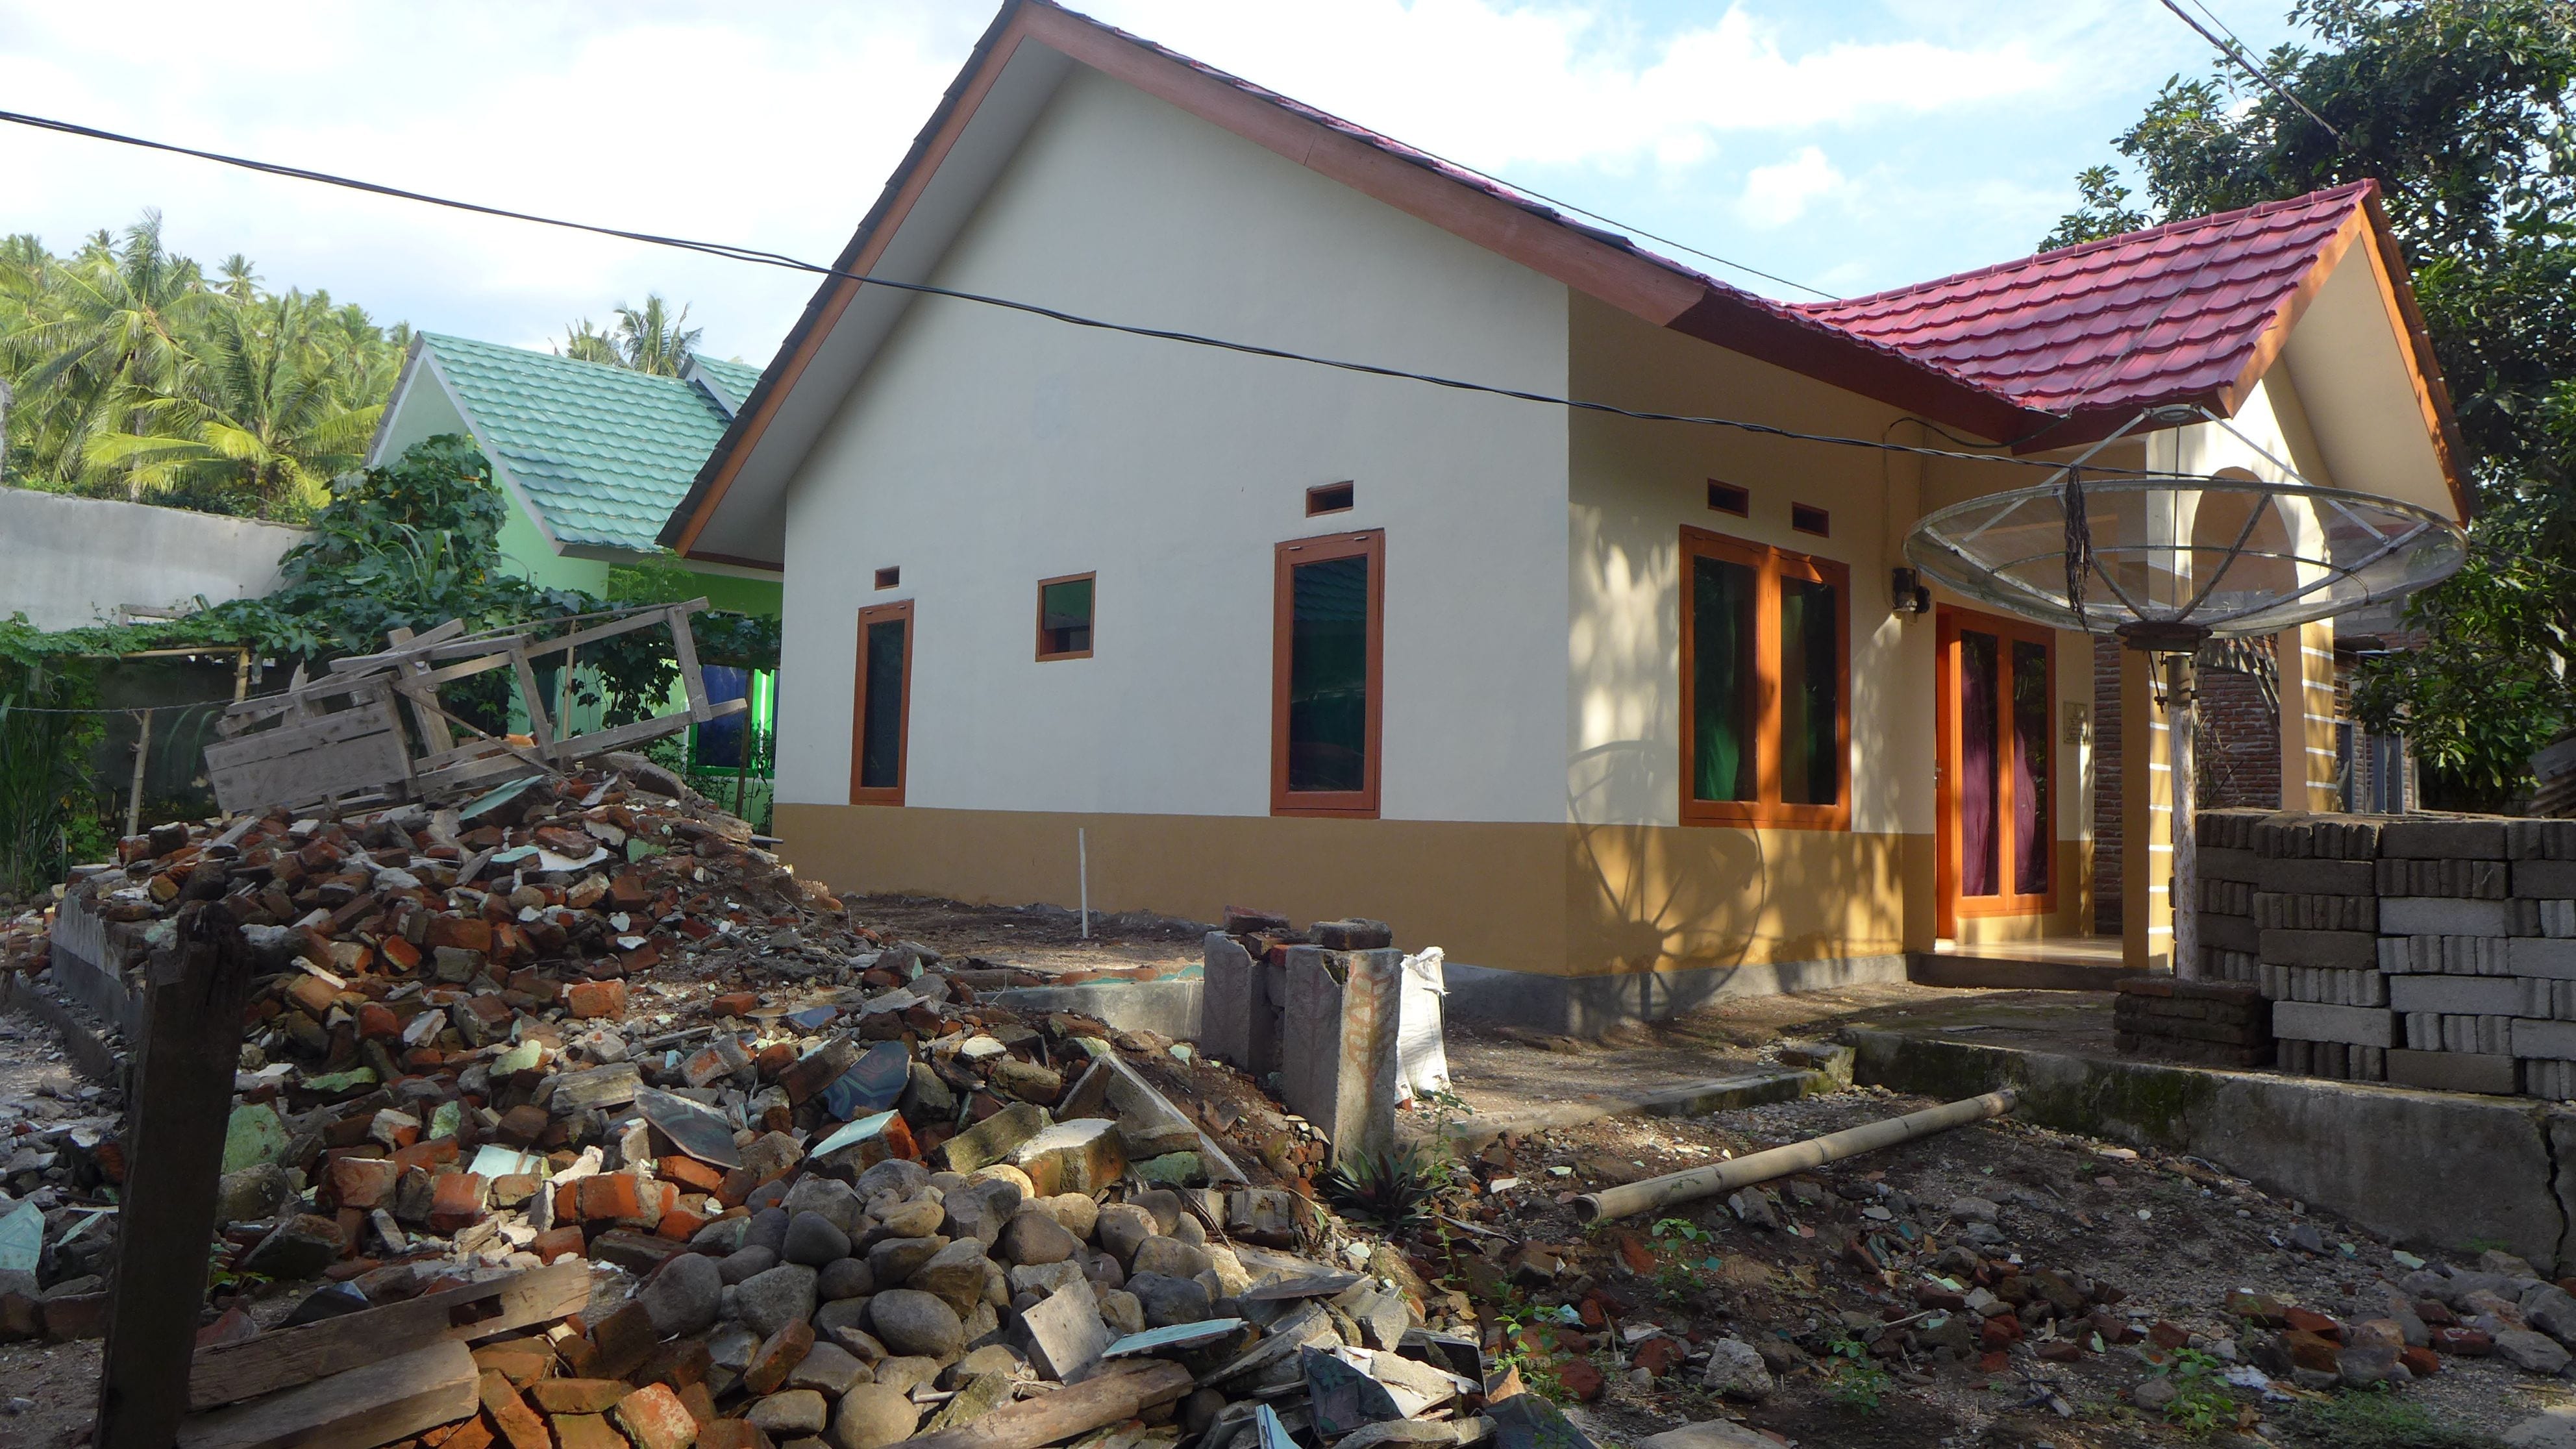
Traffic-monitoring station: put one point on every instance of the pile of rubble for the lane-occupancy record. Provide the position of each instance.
(576, 1020)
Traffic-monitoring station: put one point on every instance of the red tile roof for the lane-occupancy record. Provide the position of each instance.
(2149, 317)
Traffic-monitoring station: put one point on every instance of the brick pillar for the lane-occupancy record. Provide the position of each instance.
(2307, 664)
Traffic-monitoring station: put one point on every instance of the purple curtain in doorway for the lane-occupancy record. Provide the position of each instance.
(2030, 767)
(1979, 763)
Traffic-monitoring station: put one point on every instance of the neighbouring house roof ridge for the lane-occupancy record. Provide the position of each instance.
(602, 453)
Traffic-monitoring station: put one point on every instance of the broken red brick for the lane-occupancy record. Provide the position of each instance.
(777, 1356)
(578, 1396)
(458, 1202)
(465, 933)
(654, 1418)
(518, 1424)
(588, 1431)
(592, 1000)
(363, 1183)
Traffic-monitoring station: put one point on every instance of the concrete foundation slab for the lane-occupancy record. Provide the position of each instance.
(1590, 1005)
(1171, 1007)
(2394, 1159)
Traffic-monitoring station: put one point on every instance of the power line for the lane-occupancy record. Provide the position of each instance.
(2236, 53)
(731, 252)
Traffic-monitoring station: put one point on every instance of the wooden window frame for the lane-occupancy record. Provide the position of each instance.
(1044, 654)
(1824, 520)
(882, 795)
(1371, 545)
(1732, 499)
(890, 577)
(1949, 905)
(1770, 565)
(1317, 504)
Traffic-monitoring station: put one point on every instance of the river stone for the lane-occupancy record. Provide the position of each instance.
(829, 1369)
(907, 1372)
(919, 1218)
(839, 1314)
(737, 1266)
(1121, 1311)
(1078, 1212)
(895, 1259)
(1169, 1257)
(1169, 1300)
(814, 1240)
(845, 1278)
(915, 1323)
(2531, 1352)
(957, 1273)
(1736, 1370)
(873, 1416)
(796, 1411)
(768, 1230)
(829, 1196)
(901, 1175)
(767, 1302)
(682, 1296)
(1121, 1228)
(1035, 1236)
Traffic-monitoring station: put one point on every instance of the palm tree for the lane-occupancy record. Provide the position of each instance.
(110, 337)
(651, 340)
(584, 342)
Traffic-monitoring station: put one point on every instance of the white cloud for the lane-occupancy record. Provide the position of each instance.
(1777, 195)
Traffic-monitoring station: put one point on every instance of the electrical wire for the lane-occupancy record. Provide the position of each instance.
(2236, 53)
(732, 252)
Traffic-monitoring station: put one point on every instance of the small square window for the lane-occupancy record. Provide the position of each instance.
(1727, 498)
(1808, 518)
(1064, 617)
(889, 578)
(1329, 498)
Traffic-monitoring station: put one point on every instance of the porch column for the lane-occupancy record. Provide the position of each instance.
(2307, 669)
(2146, 820)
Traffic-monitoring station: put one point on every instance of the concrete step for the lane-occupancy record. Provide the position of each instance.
(2010, 973)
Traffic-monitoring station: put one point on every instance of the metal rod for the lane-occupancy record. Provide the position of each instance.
(1699, 1182)
(1082, 865)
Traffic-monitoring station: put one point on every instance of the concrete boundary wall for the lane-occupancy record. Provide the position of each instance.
(1591, 1005)
(2435, 1169)
(68, 562)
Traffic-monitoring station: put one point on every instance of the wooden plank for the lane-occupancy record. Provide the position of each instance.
(174, 1142)
(432, 725)
(685, 646)
(1074, 1409)
(599, 742)
(330, 729)
(286, 1357)
(359, 1409)
(406, 645)
(375, 762)
(609, 631)
(534, 699)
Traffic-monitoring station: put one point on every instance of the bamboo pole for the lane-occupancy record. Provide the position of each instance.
(142, 763)
(1699, 1182)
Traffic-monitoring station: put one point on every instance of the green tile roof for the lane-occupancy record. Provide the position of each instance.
(734, 378)
(602, 454)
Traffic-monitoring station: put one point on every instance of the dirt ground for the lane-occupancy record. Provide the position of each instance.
(47, 1391)
(1041, 938)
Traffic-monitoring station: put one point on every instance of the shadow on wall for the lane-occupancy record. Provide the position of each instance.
(1647, 898)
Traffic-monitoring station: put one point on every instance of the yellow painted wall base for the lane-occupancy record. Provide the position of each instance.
(1554, 899)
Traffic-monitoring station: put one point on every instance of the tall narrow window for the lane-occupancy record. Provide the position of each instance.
(1766, 724)
(880, 713)
(1064, 617)
(1327, 640)
(1998, 839)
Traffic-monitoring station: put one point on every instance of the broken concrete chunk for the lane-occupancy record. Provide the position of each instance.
(1080, 1157)
(995, 1138)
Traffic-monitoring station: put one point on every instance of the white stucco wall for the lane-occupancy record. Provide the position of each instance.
(67, 562)
(986, 450)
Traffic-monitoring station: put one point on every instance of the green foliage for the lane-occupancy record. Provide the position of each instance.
(1395, 1187)
(1854, 1379)
(2103, 211)
(646, 339)
(41, 775)
(138, 377)
(2376, 1418)
(2201, 1403)
(2465, 112)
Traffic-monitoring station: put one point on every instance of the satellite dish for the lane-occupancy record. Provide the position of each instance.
(2169, 561)
(2166, 562)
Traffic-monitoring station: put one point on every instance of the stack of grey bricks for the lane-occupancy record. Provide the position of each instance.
(2429, 951)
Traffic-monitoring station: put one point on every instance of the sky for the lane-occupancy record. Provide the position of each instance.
(1844, 145)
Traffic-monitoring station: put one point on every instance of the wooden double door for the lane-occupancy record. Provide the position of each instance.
(1994, 687)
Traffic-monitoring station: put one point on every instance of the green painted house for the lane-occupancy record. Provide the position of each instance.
(594, 458)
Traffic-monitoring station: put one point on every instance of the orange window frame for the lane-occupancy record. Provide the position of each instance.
(1951, 905)
(873, 615)
(1363, 802)
(1044, 653)
(1770, 566)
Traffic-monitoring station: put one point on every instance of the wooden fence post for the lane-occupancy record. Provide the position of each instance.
(180, 1104)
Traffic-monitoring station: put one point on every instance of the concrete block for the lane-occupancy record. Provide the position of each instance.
(2473, 995)
(2463, 839)
(2347, 950)
(2542, 956)
(2550, 1081)
(1236, 1020)
(2277, 912)
(2353, 1025)
(2541, 839)
(2396, 955)
(2223, 864)
(2550, 1040)
(2315, 877)
(2545, 879)
(1338, 1059)
(2455, 1072)
(2443, 916)
(2230, 933)
(2474, 879)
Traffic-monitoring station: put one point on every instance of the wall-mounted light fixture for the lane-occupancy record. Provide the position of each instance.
(1906, 588)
